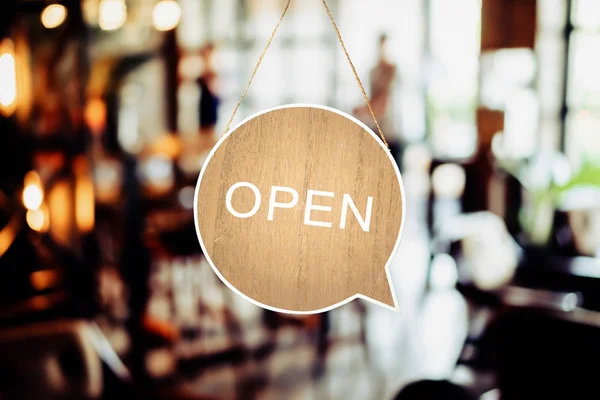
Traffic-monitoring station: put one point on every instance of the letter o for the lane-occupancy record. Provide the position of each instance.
(257, 200)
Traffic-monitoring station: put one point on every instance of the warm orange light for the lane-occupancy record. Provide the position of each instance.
(84, 196)
(167, 145)
(32, 197)
(8, 78)
(33, 194)
(53, 16)
(38, 220)
(44, 279)
(8, 234)
(95, 115)
(60, 205)
(23, 63)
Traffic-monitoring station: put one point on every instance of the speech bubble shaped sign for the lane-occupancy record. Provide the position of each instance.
(300, 209)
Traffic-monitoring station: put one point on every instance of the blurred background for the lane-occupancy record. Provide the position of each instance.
(108, 109)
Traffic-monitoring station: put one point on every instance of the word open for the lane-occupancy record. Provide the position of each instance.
(347, 203)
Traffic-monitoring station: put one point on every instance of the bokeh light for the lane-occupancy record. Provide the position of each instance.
(166, 15)
(112, 14)
(33, 194)
(53, 16)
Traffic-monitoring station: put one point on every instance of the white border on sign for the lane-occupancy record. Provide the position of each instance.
(349, 299)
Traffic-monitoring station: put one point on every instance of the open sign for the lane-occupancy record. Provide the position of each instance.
(300, 209)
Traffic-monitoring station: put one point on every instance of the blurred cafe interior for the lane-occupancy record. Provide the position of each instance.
(108, 109)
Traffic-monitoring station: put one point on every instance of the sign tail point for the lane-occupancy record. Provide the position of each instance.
(385, 298)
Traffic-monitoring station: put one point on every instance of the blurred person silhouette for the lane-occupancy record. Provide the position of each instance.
(383, 78)
(209, 99)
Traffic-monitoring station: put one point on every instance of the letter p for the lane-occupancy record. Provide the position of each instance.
(273, 200)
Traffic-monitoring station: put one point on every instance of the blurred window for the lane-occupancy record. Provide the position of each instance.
(299, 66)
(305, 63)
(550, 50)
(452, 96)
(582, 141)
(507, 79)
(404, 22)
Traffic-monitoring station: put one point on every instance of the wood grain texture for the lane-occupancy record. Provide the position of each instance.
(284, 263)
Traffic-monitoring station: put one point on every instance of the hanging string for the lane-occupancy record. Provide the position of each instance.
(362, 89)
(339, 36)
(285, 10)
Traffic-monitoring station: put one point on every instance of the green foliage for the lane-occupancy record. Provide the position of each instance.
(588, 176)
(536, 216)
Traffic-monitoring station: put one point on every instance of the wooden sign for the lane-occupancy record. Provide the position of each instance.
(300, 209)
